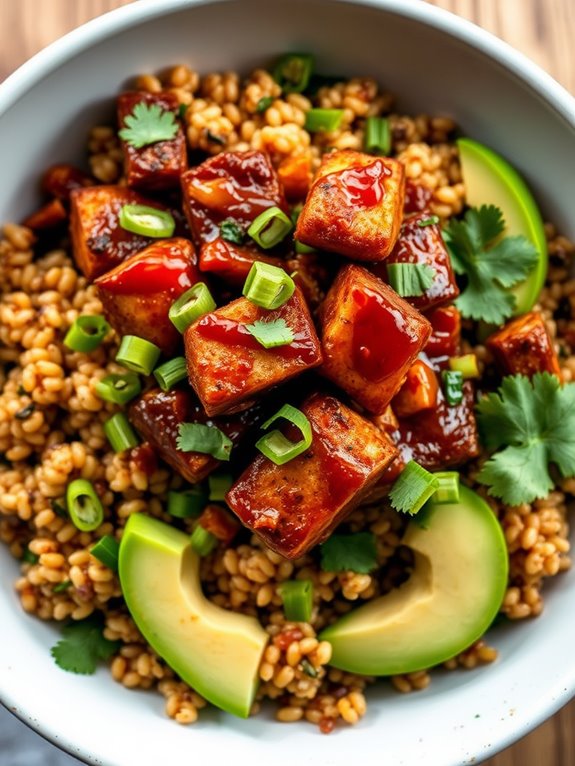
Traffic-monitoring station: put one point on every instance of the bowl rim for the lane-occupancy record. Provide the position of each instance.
(116, 21)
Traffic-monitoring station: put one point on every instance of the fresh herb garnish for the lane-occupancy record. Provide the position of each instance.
(533, 421)
(62, 586)
(410, 279)
(264, 103)
(215, 139)
(28, 557)
(272, 333)
(59, 509)
(148, 124)
(355, 552)
(412, 489)
(431, 221)
(197, 437)
(82, 645)
(25, 412)
(232, 231)
(490, 263)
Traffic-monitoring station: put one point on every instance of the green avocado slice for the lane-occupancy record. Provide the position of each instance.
(452, 597)
(491, 180)
(215, 651)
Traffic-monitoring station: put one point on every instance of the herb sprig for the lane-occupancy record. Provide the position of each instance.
(148, 124)
(82, 645)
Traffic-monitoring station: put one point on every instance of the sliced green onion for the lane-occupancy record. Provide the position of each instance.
(84, 506)
(410, 279)
(119, 389)
(198, 437)
(308, 668)
(232, 231)
(202, 541)
(264, 103)
(453, 386)
(62, 586)
(30, 558)
(326, 120)
(292, 72)
(271, 334)
(448, 487)
(120, 433)
(377, 135)
(412, 489)
(302, 249)
(187, 504)
(466, 365)
(275, 446)
(138, 354)
(86, 333)
(170, 373)
(190, 306)
(219, 484)
(268, 286)
(270, 227)
(431, 221)
(149, 221)
(183, 108)
(297, 597)
(107, 550)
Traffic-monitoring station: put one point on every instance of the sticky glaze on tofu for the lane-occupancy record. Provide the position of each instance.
(295, 506)
(138, 293)
(228, 367)
(523, 347)
(370, 337)
(232, 262)
(157, 416)
(157, 166)
(445, 338)
(99, 243)
(236, 185)
(418, 392)
(355, 206)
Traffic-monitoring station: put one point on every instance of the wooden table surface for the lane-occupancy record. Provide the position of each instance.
(542, 29)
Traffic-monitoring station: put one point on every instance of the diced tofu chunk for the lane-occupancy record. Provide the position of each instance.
(220, 523)
(295, 175)
(157, 166)
(138, 293)
(157, 416)
(523, 347)
(370, 337)
(49, 216)
(421, 242)
(295, 506)
(419, 392)
(99, 242)
(441, 437)
(237, 185)
(228, 367)
(232, 262)
(445, 338)
(355, 206)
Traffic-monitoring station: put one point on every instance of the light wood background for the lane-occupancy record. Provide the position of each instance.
(542, 29)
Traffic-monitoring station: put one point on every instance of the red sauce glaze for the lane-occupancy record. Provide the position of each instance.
(230, 261)
(445, 338)
(144, 458)
(158, 273)
(417, 197)
(382, 338)
(361, 186)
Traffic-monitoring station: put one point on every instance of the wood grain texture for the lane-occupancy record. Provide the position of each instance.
(542, 29)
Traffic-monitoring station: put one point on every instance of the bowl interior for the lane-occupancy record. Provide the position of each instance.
(426, 58)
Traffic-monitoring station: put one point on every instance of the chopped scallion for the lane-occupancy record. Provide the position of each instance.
(138, 354)
(84, 506)
(297, 597)
(377, 135)
(120, 433)
(466, 365)
(268, 286)
(431, 221)
(219, 484)
(189, 503)
(148, 221)
(264, 103)
(86, 333)
(198, 437)
(292, 72)
(410, 279)
(190, 306)
(302, 249)
(61, 587)
(202, 541)
(231, 231)
(326, 120)
(270, 227)
(119, 389)
(453, 386)
(170, 373)
(274, 444)
(107, 550)
(412, 489)
(28, 557)
(448, 487)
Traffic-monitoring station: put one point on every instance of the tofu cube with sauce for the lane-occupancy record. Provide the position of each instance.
(524, 347)
(295, 506)
(228, 367)
(232, 262)
(236, 185)
(157, 166)
(370, 337)
(445, 338)
(138, 293)
(355, 206)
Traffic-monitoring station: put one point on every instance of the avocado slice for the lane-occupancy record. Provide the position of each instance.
(215, 651)
(491, 180)
(450, 600)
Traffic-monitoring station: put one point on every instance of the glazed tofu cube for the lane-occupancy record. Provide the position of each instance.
(370, 337)
(295, 506)
(417, 197)
(157, 416)
(232, 262)
(220, 523)
(419, 391)
(523, 347)
(99, 242)
(355, 206)
(421, 242)
(445, 338)
(295, 176)
(157, 166)
(441, 437)
(236, 185)
(138, 293)
(228, 367)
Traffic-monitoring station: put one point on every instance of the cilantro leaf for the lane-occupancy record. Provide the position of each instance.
(410, 279)
(271, 334)
(82, 645)
(534, 421)
(356, 553)
(148, 124)
(198, 437)
(491, 263)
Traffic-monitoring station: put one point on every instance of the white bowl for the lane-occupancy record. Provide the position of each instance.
(436, 63)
